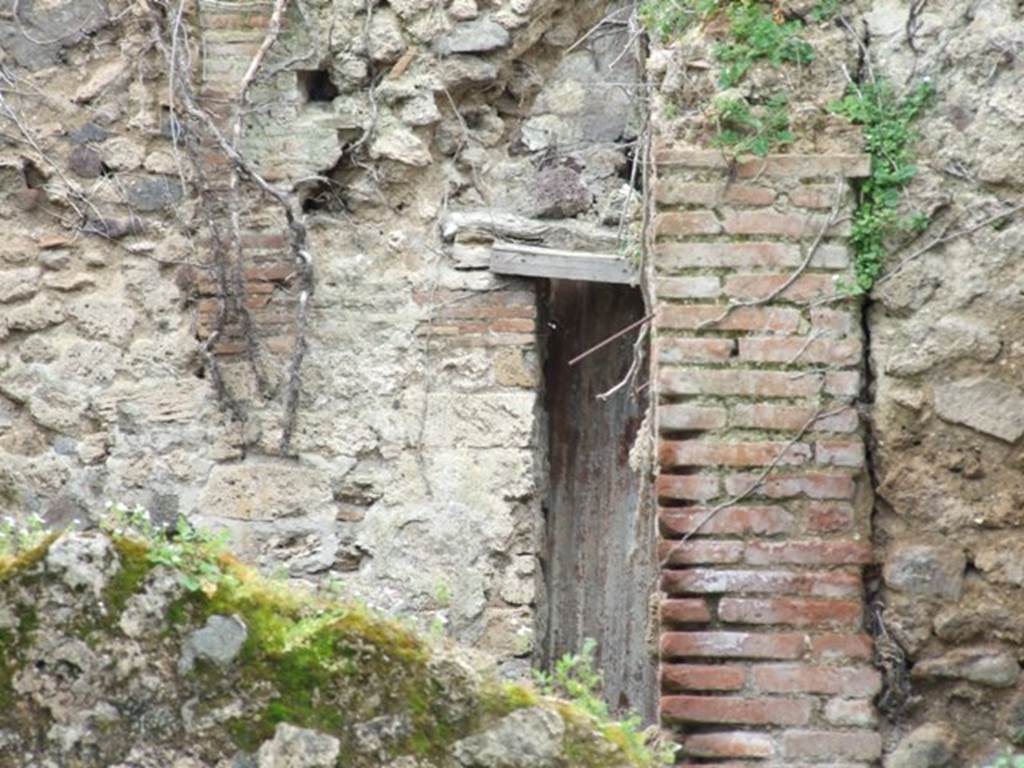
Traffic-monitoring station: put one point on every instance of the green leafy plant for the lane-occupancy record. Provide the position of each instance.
(756, 35)
(825, 10)
(743, 129)
(889, 139)
(19, 536)
(667, 19)
(576, 678)
(194, 552)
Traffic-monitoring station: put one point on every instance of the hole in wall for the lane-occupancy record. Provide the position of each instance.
(316, 85)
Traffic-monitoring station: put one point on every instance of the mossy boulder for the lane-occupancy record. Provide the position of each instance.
(107, 658)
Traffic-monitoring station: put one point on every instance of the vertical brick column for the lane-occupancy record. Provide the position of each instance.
(231, 34)
(763, 652)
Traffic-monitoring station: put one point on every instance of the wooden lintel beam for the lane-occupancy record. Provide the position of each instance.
(534, 261)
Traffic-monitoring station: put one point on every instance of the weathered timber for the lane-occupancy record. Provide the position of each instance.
(532, 261)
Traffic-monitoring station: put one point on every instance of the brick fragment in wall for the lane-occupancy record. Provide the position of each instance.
(762, 482)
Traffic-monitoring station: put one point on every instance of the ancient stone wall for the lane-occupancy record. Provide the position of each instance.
(158, 319)
(942, 390)
(947, 397)
(153, 299)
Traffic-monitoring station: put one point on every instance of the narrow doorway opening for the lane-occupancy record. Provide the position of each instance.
(598, 548)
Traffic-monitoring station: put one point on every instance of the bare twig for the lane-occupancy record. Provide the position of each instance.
(945, 238)
(613, 337)
(914, 22)
(756, 484)
(831, 221)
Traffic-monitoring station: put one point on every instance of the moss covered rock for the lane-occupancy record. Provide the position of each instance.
(110, 657)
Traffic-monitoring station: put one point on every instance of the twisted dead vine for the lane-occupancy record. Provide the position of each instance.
(200, 132)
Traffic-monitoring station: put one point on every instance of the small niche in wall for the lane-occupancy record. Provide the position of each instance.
(316, 85)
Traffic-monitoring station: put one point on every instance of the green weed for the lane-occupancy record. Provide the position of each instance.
(1009, 760)
(668, 19)
(576, 679)
(889, 139)
(746, 130)
(755, 36)
(193, 552)
(825, 10)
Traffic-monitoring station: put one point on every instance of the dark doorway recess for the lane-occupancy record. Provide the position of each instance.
(598, 550)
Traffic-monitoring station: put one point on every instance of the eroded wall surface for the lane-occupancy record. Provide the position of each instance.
(947, 410)
(412, 134)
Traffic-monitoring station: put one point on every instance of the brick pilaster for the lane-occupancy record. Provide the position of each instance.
(763, 653)
(231, 34)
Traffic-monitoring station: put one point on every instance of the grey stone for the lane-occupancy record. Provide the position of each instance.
(85, 161)
(151, 193)
(146, 611)
(950, 338)
(928, 746)
(386, 40)
(919, 569)
(83, 561)
(527, 738)
(87, 133)
(376, 736)
(420, 110)
(401, 145)
(991, 667)
(294, 747)
(18, 284)
(477, 36)
(220, 641)
(1001, 564)
(55, 259)
(113, 229)
(41, 312)
(458, 71)
(559, 192)
(463, 10)
(44, 29)
(985, 405)
(100, 318)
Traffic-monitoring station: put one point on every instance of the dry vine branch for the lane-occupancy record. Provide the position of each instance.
(945, 238)
(831, 221)
(758, 481)
(202, 124)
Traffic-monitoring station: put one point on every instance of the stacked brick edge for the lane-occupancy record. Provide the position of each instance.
(764, 659)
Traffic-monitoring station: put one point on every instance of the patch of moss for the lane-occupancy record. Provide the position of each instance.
(135, 567)
(498, 699)
(12, 565)
(331, 665)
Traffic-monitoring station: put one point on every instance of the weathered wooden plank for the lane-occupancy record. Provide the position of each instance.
(489, 225)
(533, 261)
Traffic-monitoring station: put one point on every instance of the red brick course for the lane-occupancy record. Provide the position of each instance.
(761, 463)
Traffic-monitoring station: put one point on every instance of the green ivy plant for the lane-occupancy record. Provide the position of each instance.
(889, 139)
(576, 678)
(667, 19)
(743, 129)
